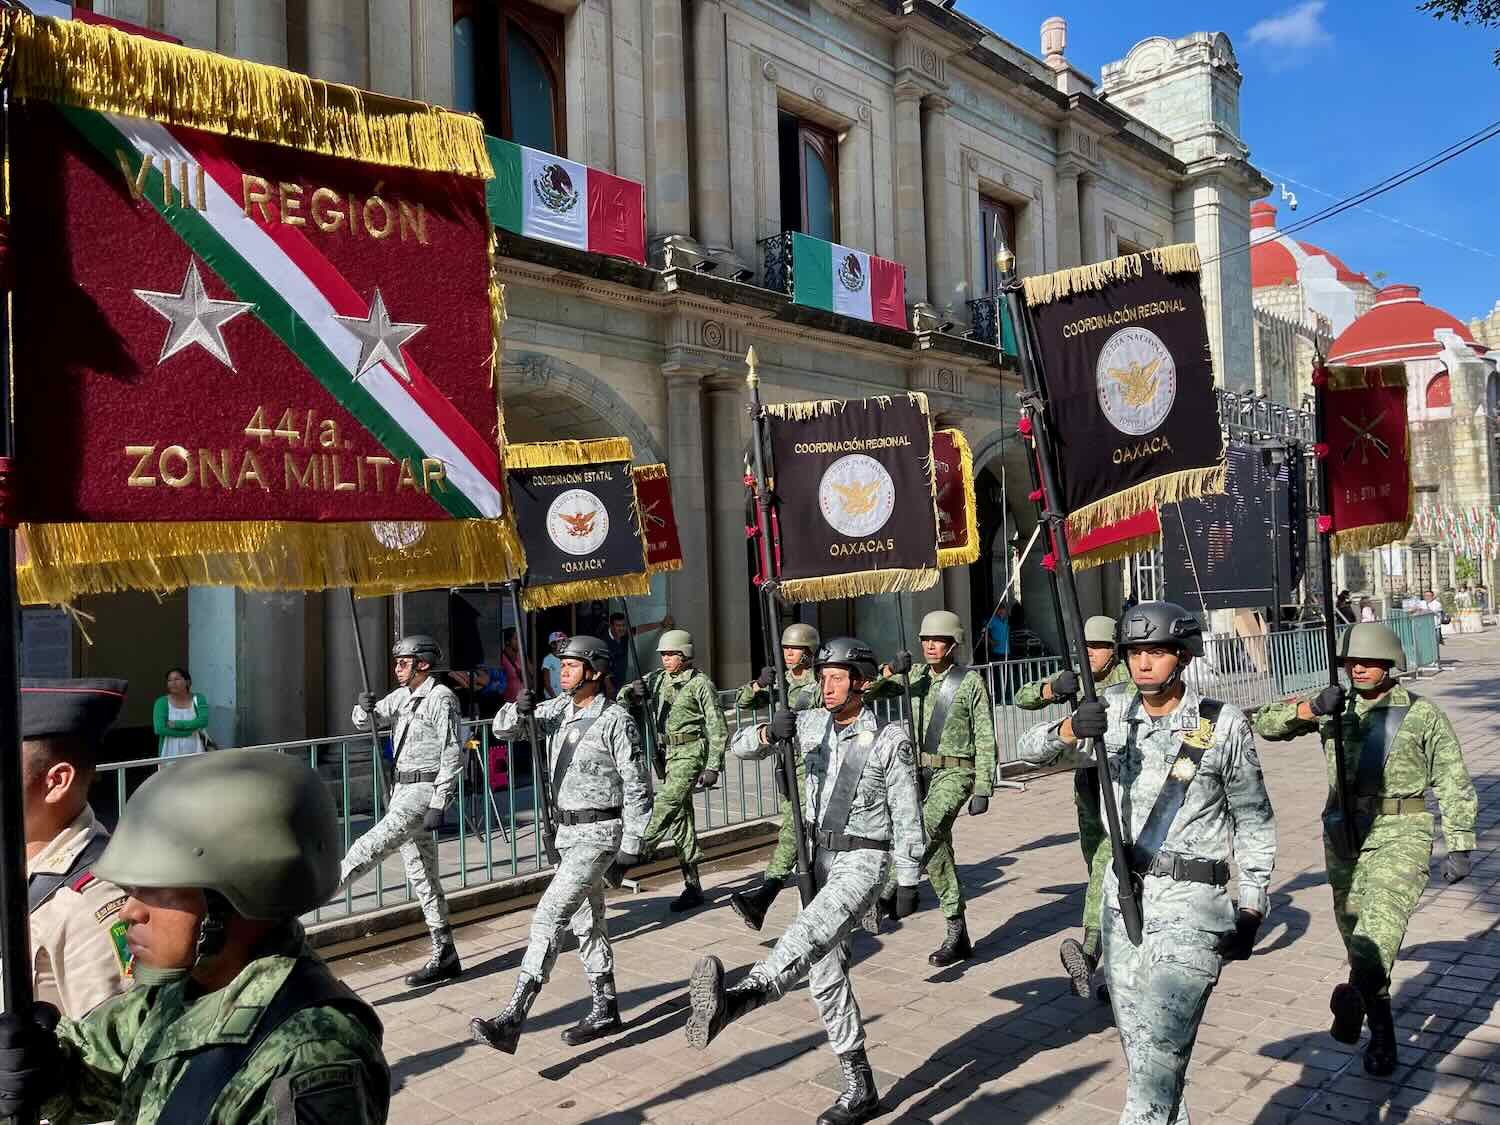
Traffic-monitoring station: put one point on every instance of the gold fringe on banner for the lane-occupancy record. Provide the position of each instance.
(963, 556)
(653, 569)
(95, 67)
(816, 408)
(1045, 288)
(1355, 378)
(584, 590)
(1114, 551)
(857, 583)
(649, 472)
(1167, 489)
(69, 560)
(1367, 538)
(547, 454)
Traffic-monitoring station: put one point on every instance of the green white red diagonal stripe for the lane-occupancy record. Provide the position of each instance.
(298, 293)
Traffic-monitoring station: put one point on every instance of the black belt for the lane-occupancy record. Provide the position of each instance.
(1184, 870)
(587, 816)
(838, 842)
(416, 777)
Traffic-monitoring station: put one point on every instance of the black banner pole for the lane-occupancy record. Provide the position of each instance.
(807, 885)
(1034, 381)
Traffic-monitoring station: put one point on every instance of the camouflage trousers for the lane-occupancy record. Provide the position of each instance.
(401, 827)
(784, 858)
(1158, 990)
(816, 944)
(1374, 896)
(1093, 838)
(574, 899)
(672, 814)
(947, 796)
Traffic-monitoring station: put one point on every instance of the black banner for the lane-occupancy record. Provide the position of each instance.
(1129, 384)
(854, 493)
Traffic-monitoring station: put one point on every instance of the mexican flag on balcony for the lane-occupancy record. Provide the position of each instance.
(539, 195)
(838, 279)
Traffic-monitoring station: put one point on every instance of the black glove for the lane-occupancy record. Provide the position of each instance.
(1090, 720)
(1064, 684)
(783, 725)
(433, 820)
(1329, 701)
(906, 901)
(1456, 866)
(30, 1059)
(526, 703)
(1239, 942)
(708, 779)
(978, 805)
(367, 702)
(901, 663)
(632, 694)
(624, 861)
(766, 678)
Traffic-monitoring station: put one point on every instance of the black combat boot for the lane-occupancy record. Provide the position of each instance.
(504, 1031)
(1081, 960)
(442, 965)
(859, 1101)
(692, 892)
(1380, 1051)
(955, 947)
(1348, 1008)
(714, 1006)
(602, 1018)
(752, 907)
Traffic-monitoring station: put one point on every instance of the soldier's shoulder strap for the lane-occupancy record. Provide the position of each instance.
(309, 985)
(41, 887)
(942, 703)
(1173, 793)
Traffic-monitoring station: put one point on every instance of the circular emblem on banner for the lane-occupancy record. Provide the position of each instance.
(397, 535)
(856, 495)
(554, 187)
(577, 522)
(1137, 381)
(851, 276)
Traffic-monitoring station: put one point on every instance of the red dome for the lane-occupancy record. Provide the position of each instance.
(1272, 261)
(1399, 327)
(1341, 271)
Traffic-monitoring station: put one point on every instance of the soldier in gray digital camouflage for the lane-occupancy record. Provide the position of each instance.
(1191, 794)
(602, 799)
(1397, 745)
(798, 644)
(233, 1019)
(423, 713)
(861, 806)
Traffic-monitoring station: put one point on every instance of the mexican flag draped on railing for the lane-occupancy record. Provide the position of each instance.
(840, 279)
(539, 195)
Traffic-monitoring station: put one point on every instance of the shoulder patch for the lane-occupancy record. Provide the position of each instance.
(122, 951)
(906, 752)
(110, 908)
(325, 1094)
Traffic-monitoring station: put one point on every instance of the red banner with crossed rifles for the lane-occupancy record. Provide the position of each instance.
(1366, 454)
(958, 529)
(653, 498)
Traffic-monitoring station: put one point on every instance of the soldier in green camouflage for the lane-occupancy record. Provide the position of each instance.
(1397, 745)
(798, 643)
(233, 1018)
(689, 721)
(1081, 959)
(957, 768)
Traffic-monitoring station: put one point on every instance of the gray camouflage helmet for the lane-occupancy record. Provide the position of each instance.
(800, 636)
(591, 650)
(942, 623)
(848, 652)
(676, 640)
(1099, 631)
(1370, 640)
(1161, 623)
(257, 826)
(419, 646)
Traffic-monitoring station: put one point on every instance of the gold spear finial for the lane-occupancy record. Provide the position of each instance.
(752, 377)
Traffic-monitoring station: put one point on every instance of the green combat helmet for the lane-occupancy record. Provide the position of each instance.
(943, 624)
(676, 640)
(1099, 631)
(419, 646)
(1372, 641)
(800, 636)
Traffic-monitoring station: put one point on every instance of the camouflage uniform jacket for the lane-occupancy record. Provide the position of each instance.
(690, 703)
(122, 1061)
(968, 731)
(608, 770)
(1029, 698)
(803, 693)
(425, 734)
(1425, 753)
(886, 805)
(1226, 802)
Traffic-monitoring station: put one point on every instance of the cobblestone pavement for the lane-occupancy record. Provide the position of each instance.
(999, 1038)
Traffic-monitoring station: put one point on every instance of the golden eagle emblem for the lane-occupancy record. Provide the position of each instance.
(858, 498)
(581, 523)
(1137, 382)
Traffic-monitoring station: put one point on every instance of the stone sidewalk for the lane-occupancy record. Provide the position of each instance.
(999, 1038)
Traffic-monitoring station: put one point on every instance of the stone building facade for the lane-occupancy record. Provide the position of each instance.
(922, 130)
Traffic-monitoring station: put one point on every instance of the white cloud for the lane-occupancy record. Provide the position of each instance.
(1297, 28)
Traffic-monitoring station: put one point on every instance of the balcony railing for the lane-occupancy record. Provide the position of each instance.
(777, 273)
(989, 329)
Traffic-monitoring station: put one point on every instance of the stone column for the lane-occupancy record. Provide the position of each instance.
(911, 215)
(1069, 226)
(727, 434)
(133, 11)
(432, 51)
(1091, 246)
(690, 590)
(256, 30)
(340, 670)
(338, 39)
(946, 282)
(391, 46)
(710, 128)
(667, 207)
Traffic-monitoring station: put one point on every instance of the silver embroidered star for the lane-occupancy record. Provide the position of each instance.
(194, 317)
(380, 340)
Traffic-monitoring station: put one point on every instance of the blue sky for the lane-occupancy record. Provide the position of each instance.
(1338, 95)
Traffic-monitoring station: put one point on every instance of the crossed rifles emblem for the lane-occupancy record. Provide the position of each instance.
(1364, 439)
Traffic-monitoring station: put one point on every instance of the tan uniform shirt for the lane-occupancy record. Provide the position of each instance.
(78, 952)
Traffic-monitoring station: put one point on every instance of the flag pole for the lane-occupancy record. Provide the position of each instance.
(786, 752)
(1033, 382)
